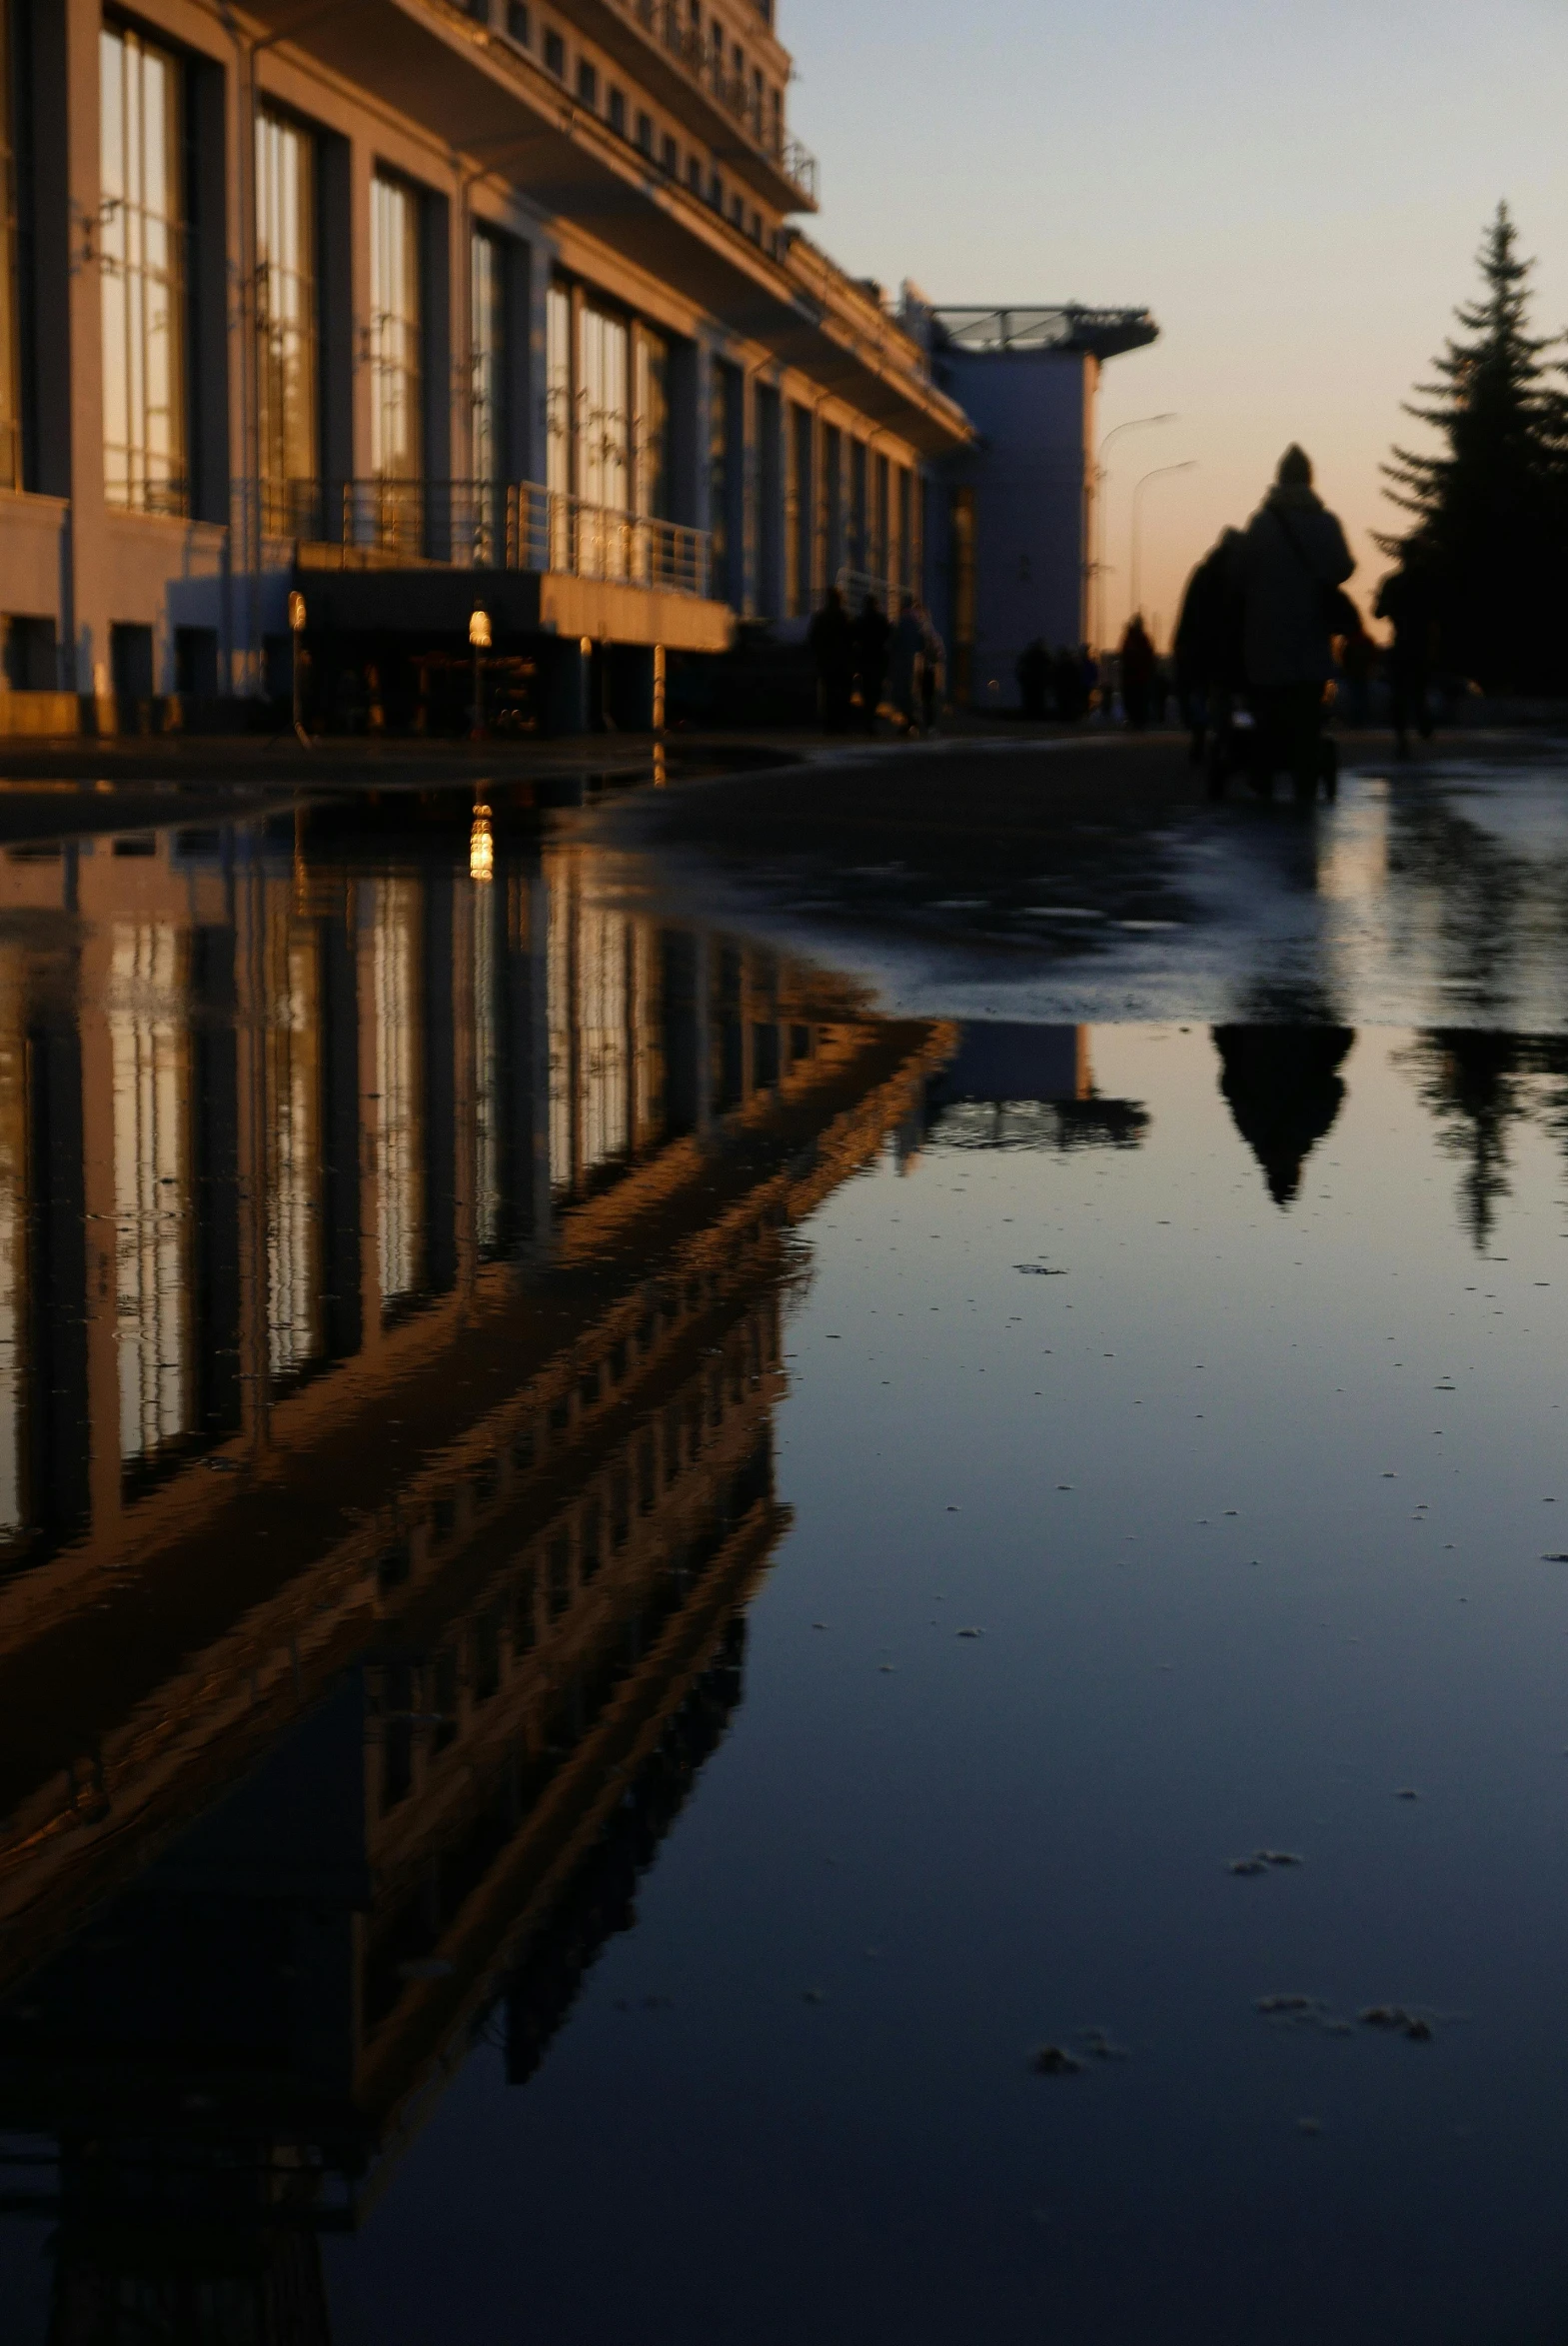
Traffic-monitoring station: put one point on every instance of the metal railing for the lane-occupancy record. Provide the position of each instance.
(665, 21)
(484, 525)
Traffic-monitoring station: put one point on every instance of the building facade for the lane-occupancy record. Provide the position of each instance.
(1015, 536)
(411, 305)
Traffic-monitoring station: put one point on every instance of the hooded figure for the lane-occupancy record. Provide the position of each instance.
(1289, 565)
(1292, 554)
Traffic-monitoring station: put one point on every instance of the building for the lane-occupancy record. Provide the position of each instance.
(411, 305)
(1016, 535)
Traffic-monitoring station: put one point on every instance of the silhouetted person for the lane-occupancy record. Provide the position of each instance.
(1088, 680)
(1137, 673)
(831, 639)
(871, 636)
(1034, 674)
(1290, 562)
(1405, 600)
(934, 655)
(1357, 652)
(908, 643)
(1284, 1091)
(1211, 670)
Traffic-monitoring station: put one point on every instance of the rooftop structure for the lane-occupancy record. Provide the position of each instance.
(1024, 326)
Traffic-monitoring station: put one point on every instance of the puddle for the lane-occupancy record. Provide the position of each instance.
(680, 1661)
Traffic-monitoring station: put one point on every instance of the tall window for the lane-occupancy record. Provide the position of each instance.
(604, 453)
(397, 387)
(285, 314)
(10, 353)
(488, 357)
(142, 272)
(651, 427)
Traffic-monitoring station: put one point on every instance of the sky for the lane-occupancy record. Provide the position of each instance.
(1296, 192)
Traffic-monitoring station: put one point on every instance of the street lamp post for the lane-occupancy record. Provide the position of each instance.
(1101, 475)
(297, 632)
(1187, 465)
(479, 638)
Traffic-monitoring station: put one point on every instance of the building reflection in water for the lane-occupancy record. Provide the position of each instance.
(391, 1262)
(1008, 1086)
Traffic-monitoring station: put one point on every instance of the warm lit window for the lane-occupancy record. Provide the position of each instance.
(286, 315)
(397, 390)
(650, 426)
(10, 370)
(142, 273)
(606, 408)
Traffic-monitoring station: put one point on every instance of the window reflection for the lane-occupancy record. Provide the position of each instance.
(489, 1075)
(295, 1146)
(13, 1252)
(150, 1056)
(142, 273)
(396, 907)
(591, 1095)
(285, 313)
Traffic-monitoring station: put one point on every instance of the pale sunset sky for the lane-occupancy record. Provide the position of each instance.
(1296, 192)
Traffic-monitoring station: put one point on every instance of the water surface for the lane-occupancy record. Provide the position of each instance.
(632, 1584)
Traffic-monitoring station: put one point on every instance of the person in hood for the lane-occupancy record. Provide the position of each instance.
(1290, 564)
(1137, 673)
(1211, 670)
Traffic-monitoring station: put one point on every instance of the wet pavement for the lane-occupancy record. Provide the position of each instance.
(762, 1591)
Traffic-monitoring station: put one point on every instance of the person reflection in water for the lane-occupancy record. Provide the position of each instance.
(1284, 1088)
(1290, 563)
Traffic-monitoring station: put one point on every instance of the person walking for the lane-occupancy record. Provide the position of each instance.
(1405, 600)
(1291, 562)
(1034, 674)
(909, 642)
(832, 640)
(1137, 673)
(871, 636)
(1211, 669)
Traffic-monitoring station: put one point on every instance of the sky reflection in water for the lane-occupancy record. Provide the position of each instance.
(506, 1834)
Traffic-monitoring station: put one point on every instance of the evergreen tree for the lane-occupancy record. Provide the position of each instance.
(1487, 509)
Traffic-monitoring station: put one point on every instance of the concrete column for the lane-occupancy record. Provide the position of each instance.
(690, 411)
(361, 171)
(770, 515)
(535, 264)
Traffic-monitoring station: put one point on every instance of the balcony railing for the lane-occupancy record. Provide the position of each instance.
(665, 21)
(481, 524)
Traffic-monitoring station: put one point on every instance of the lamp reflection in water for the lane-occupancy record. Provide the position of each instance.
(481, 844)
